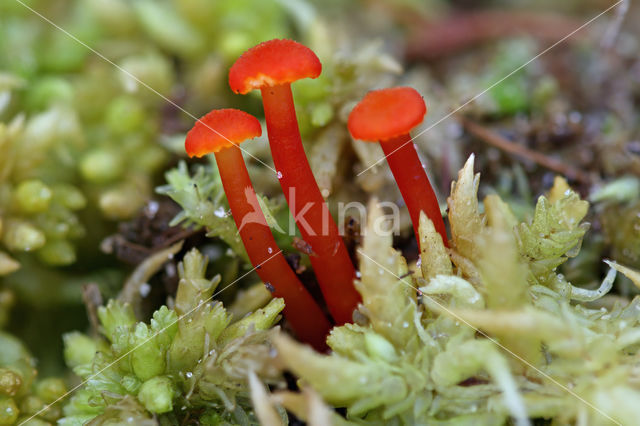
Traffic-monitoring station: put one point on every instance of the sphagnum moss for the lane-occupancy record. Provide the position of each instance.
(190, 361)
(490, 332)
(79, 134)
(22, 393)
(179, 28)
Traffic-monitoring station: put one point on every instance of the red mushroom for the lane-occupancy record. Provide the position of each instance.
(271, 67)
(220, 132)
(387, 116)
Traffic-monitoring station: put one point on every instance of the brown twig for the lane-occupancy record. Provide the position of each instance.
(92, 299)
(131, 289)
(431, 41)
(494, 139)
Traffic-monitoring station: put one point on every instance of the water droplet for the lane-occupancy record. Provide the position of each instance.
(405, 325)
(152, 208)
(358, 274)
(219, 212)
(145, 289)
(269, 250)
(189, 374)
(279, 174)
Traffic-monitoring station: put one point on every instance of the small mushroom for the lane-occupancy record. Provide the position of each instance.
(271, 67)
(387, 116)
(220, 132)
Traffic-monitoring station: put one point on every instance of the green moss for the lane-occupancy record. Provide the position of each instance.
(190, 359)
(22, 394)
(491, 332)
(73, 119)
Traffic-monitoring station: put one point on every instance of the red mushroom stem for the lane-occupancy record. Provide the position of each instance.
(303, 313)
(413, 183)
(330, 259)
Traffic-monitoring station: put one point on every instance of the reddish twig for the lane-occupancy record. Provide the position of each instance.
(494, 139)
(459, 32)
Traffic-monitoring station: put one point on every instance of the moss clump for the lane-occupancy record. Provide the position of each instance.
(485, 331)
(22, 395)
(81, 141)
(190, 361)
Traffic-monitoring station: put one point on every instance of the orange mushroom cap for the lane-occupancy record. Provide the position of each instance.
(387, 113)
(271, 63)
(220, 129)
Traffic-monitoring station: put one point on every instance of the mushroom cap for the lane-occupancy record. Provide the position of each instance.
(219, 129)
(271, 63)
(387, 113)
